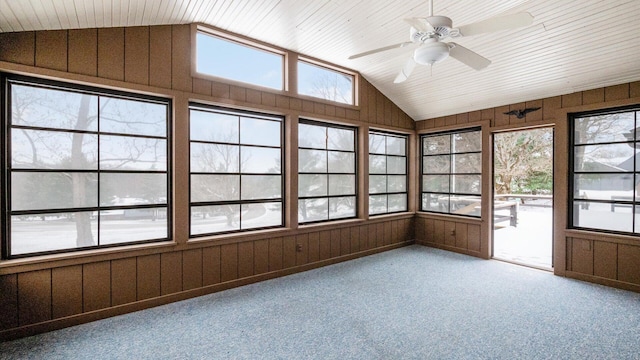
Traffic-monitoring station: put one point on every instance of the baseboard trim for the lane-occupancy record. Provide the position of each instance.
(603, 281)
(451, 248)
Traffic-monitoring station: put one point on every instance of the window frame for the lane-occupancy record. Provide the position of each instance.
(9, 79)
(328, 125)
(330, 68)
(573, 202)
(406, 172)
(450, 174)
(282, 200)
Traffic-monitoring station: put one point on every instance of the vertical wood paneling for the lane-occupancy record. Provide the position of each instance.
(136, 55)
(628, 260)
(295, 104)
(261, 256)
(380, 234)
(268, 99)
(83, 51)
(148, 276)
(220, 90)
(171, 272)
(160, 56)
(345, 241)
(634, 89)
(335, 243)
(314, 247)
(429, 230)
(245, 259)
(51, 49)
(373, 237)
(449, 233)
(289, 251)
(66, 291)
(499, 116)
(237, 93)
(325, 245)
(181, 57)
(462, 118)
(549, 107)
(616, 92)
(364, 237)
(253, 96)
(211, 265)
(582, 256)
(605, 259)
(420, 229)
(96, 285)
(461, 236)
(34, 297)
(473, 237)
(450, 120)
(355, 239)
(111, 53)
(593, 96)
(275, 254)
(438, 231)
(307, 106)
(388, 233)
(282, 101)
(8, 300)
(18, 47)
(228, 262)
(123, 281)
(191, 269)
(302, 256)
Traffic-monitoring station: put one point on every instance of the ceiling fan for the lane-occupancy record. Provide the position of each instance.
(428, 32)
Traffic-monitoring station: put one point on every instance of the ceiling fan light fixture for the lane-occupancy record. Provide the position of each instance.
(431, 53)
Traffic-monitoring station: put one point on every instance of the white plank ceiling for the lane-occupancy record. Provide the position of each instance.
(573, 45)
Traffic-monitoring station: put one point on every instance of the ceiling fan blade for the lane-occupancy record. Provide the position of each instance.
(468, 57)
(407, 69)
(420, 24)
(385, 48)
(497, 23)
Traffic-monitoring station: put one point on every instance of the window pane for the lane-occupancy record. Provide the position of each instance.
(377, 164)
(377, 204)
(377, 144)
(396, 145)
(132, 117)
(216, 218)
(215, 188)
(467, 163)
(465, 205)
(132, 189)
(214, 158)
(261, 187)
(604, 128)
(340, 139)
(260, 160)
(324, 83)
(466, 184)
(341, 162)
(397, 202)
(312, 136)
(313, 210)
(261, 215)
(215, 127)
(129, 225)
(47, 108)
(132, 153)
(396, 183)
(435, 183)
(227, 59)
(342, 184)
(467, 142)
(377, 184)
(312, 161)
(396, 165)
(436, 145)
(42, 191)
(435, 202)
(259, 132)
(603, 186)
(439, 164)
(49, 232)
(342, 207)
(602, 216)
(605, 158)
(37, 149)
(312, 185)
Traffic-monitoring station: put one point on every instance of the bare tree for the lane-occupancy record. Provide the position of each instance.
(520, 155)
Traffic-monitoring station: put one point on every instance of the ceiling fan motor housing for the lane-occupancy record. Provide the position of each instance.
(442, 27)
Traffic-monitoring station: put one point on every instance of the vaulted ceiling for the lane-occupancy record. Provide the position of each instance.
(573, 45)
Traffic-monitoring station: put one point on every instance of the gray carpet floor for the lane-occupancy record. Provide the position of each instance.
(410, 303)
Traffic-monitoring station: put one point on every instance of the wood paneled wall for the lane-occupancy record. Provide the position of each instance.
(602, 258)
(60, 290)
(454, 234)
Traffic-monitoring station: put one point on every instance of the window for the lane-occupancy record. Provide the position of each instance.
(324, 83)
(327, 172)
(451, 172)
(236, 170)
(387, 173)
(606, 174)
(85, 168)
(238, 61)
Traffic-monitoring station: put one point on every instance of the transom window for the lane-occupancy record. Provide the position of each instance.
(236, 170)
(605, 172)
(239, 61)
(324, 83)
(84, 167)
(387, 173)
(327, 172)
(451, 172)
